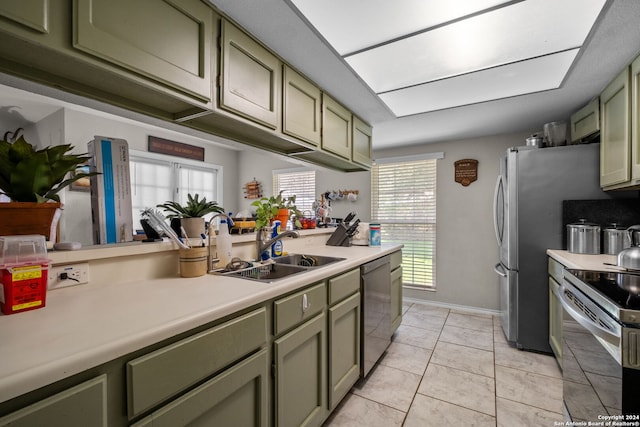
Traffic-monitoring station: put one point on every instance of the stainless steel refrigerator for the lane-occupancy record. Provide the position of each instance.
(530, 189)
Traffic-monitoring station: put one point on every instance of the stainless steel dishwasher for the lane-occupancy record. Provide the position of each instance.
(376, 311)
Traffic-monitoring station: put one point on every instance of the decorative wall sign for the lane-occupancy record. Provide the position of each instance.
(466, 171)
(173, 148)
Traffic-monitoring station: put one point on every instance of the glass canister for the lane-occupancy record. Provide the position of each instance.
(374, 235)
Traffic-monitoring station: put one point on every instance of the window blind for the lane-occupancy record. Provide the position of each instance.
(404, 203)
(301, 183)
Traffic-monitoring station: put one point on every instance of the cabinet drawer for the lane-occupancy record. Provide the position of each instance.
(396, 260)
(297, 308)
(556, 270)
(169, 370)
(344, 285)
(79, 406)
(245, 384)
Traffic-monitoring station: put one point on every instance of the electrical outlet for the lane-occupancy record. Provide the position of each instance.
(68, 275)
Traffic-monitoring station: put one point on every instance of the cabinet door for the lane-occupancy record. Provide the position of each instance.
(301, 107)
(300, 359)
(168, 41)
(237, 397)
(614, 137)
(396, 298)
(362, 134)
(344, 348)
(80, 406)
(32, 14)
(555, 320)
(585, 121)
(635, 119)
(336, 128)
(251, 79)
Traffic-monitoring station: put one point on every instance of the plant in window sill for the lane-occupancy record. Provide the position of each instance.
(268, 209)
(191, 214)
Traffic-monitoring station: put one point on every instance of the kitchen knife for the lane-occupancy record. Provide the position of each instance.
(353, 228)
(349, 217)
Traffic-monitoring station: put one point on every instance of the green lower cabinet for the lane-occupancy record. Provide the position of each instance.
(344, 348)
(237, 397)
(80, 406)
(301, 375)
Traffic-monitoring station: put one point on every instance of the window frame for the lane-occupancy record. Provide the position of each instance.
(379, 217)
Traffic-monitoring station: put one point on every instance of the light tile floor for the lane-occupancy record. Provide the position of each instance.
(448, 367)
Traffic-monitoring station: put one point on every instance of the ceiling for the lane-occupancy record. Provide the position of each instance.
(464, 96)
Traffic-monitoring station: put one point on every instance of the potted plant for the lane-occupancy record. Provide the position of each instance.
(29, 178)
(276, 207)
(191, 215)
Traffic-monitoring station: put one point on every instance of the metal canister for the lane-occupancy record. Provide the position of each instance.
(583, 237)
(615, 239)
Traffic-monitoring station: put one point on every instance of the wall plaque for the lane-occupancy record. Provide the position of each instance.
(173, 148)
(466, 171)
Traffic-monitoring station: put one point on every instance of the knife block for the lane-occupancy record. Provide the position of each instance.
(339, 237)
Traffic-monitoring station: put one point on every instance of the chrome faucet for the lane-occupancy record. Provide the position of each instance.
(208, 233)
(262, 246)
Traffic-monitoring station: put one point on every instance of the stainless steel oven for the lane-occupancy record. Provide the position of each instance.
(601, 346)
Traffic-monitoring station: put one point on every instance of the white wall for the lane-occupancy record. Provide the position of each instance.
(259, 165)
(466, 250)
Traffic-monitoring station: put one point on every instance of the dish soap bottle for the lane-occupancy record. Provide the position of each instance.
(223, 244)
(276, 248)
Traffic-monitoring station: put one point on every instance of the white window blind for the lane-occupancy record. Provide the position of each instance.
(404, 203)
(156, 179)
(301, 183)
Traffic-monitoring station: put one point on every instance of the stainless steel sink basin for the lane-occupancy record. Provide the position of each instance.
(263, 273)
(307, 261)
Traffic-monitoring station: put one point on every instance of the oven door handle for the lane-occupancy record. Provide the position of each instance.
(587, 323)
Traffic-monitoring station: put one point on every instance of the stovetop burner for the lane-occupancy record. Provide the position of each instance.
(621, 288)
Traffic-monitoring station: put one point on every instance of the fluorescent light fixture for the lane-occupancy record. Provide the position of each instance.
(461, 51)
(534, 75)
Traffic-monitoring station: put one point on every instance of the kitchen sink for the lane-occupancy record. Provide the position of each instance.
(263, 273)
(307, 261)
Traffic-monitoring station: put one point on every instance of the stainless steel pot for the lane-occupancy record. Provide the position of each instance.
(535, 141)
(615, 239)
(583, 237)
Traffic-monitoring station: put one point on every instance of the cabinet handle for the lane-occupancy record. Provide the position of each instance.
(306, 305)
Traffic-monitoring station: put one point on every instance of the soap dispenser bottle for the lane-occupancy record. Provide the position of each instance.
(277, 247)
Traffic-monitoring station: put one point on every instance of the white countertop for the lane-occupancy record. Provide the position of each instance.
(584, 262)
(84, 326)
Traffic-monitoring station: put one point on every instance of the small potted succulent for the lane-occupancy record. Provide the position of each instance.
(32, 180)
(191, 215)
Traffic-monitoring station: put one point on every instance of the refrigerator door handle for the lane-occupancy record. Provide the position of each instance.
(500, 270)
(499, 184)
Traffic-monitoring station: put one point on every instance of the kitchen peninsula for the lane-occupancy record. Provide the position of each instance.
(100, 337)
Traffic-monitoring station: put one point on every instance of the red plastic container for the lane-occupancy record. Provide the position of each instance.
(23, 273)
(24, 288)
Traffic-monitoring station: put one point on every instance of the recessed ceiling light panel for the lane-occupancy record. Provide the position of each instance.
(534, 75)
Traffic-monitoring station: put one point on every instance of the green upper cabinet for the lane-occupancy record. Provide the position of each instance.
(615, 134)
(165, 40)
(250, 83)
(635, 120)
(336, 127)
(362, 134)
(300, 107)
(585, 121)
(31, 14)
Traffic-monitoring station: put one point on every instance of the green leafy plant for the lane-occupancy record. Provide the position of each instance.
(267, 209)
(30, 175)
(194, 208)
